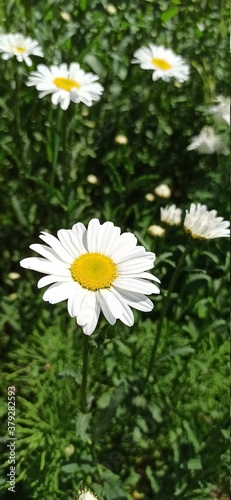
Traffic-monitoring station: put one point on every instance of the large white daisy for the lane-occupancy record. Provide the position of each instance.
(66, 84)
(19, 46)
(164, 63)
(95, 269)
(203, 224)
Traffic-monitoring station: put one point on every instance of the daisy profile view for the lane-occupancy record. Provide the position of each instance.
(95, 269)
(163, 62)
(66, 84)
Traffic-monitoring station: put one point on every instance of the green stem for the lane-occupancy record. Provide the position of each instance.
(164, 310)
(16, 107)
(56, 144)
(84, 373)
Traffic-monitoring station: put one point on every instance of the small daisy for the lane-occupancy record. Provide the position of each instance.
(95, 269)
(221, 111)
(171, 215)
(203, 224)
(163, 191)
(207, 142)
(164, 63)
(19, 46)
(66, 84)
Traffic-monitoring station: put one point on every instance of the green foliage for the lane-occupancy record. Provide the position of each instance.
(166, 438)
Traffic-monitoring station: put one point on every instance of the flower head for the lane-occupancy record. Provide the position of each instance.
(203, 224)
(95, 269)
(66, 84)
(221, 111)
(87, 495)
(171, 215)
(19, 46)
(164, 63)
(163, 191)
(207, 142)
(155, 230)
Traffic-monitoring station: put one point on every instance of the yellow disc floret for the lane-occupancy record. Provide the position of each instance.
(20, 50)
(94, 271)
(161, 64)
(66, 84)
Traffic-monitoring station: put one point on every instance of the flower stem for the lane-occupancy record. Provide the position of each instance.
(164, 310)
(84, 373)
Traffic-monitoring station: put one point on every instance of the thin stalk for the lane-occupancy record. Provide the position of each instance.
(56, 144)
(84, 373)
(164, 310)
(17, 107)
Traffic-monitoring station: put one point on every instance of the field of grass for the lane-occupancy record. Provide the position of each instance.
(128, 413)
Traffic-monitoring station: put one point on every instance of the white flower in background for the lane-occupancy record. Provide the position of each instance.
(87, 495)
(164, 63)
(66, 84)
(171, 215)
(207, 142)
(92, 179)
(163, 191)
(149, 197)
(95, 269)
(111, 9)
(155, 230)
(121, 139)
(221, 111)
(203, 224)
(20, 46)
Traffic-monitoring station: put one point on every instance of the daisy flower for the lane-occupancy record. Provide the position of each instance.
(19, 46)
(95, 269)
(164, 63)
(87, 495)
(221, 111)
(203, 224)
(163, 191)
(66, 84)
(171, 215)
(155, 230)
(207, 142)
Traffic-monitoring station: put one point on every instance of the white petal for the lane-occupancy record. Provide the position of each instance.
(44, 266)
(135, 285)
(52, 278)
(105, 309)
(54, 243)
(136, 300)
(59, 292)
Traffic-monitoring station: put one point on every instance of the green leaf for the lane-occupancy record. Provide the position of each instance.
(169, 14)
(82, 424)
(70, 468)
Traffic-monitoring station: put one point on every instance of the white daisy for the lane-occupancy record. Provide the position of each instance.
(95, 269)
(203, 224)
(87, 495)
(163, 191)
(207, 142)
(171, 215)
(19, 46)
(164, 63)
(221, 111)
(66, 84)
(155, 230)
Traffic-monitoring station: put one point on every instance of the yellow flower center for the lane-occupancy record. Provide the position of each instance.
(66, 84)
(21, 50)
(161, 64)
(94, 271)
